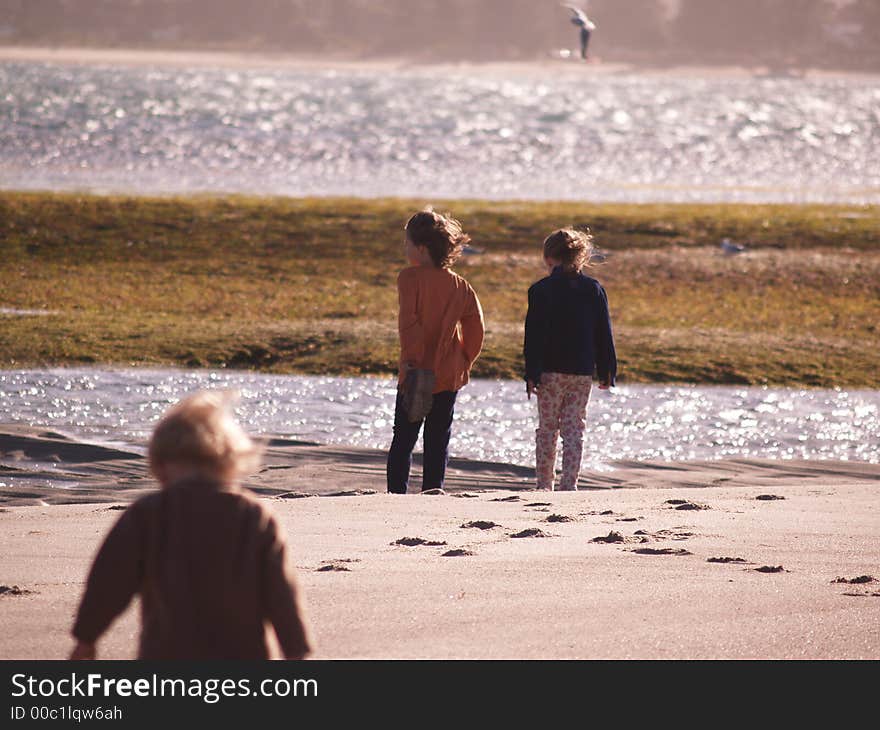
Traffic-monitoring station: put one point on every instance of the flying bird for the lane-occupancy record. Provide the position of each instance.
(579, 17)
(587, 26)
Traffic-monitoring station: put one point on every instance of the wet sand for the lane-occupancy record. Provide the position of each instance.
(43, 467)
(733, 559)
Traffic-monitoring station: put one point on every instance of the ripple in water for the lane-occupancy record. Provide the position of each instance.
(493, 421)
(373, 133)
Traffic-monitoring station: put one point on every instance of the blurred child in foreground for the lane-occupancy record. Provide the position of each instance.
(208, 560)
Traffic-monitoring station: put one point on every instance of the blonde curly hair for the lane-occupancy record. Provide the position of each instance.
(570, 247)
(200, 433)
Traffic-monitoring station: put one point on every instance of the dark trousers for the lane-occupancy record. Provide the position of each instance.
(438, 429)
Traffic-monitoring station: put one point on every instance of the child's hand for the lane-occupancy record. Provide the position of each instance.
(531, 388)
(83, 651)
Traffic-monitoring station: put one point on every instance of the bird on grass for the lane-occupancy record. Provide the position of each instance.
(731, 249)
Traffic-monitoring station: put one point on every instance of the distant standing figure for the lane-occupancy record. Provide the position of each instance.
(567, 340)
(209, 561)
(587, 26)
(441, 334)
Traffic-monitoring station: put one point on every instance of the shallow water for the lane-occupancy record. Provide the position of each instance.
(493, 420)
(439, 133)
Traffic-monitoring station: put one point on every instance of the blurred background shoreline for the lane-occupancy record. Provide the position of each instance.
(282, 60)
(772, 36)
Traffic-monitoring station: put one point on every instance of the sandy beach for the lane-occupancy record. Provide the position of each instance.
(738, 559)
(189, 208)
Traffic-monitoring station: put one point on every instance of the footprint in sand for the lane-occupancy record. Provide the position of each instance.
(665, 535)
(456, 553)
(512, 498)
(726, 560)
(673, 535)
(14, 591)
(466, 495)
(538, 504)
(115, 508)
(558, 518)
(337, 565)
(610, 537)
(414, 541)
(859, 579)
(480, 525)
(351, 493)
(684, 504)
(627, 519)
(771, 569)
(531, 532)
(294, 495)
(768, 497)
(662, 551)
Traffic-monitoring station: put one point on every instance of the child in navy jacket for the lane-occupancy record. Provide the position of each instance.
(568, 340)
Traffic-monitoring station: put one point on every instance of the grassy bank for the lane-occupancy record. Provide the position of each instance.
(308, 285)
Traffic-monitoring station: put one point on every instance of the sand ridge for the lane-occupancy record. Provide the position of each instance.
(46, 467)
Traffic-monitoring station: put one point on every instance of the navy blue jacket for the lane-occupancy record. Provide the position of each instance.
(568, 328)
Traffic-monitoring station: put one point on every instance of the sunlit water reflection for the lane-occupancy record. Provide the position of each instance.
(493, 421)
(440, 133)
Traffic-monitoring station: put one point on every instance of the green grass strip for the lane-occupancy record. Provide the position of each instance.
(308, 285)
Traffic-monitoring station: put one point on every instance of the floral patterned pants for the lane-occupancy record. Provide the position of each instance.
(562, 409)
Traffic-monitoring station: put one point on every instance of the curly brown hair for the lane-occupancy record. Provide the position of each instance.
(440, 234)
(570, 247)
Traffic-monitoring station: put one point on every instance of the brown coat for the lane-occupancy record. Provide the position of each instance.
(210, 566)
(440, 325)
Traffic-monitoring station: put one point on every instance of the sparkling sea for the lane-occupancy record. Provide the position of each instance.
(440, 132)
(493, 419)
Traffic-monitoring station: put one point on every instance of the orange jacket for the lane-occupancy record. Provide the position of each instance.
(440, 324)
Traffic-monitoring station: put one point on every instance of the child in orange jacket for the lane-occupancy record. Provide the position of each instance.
(441, 330)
